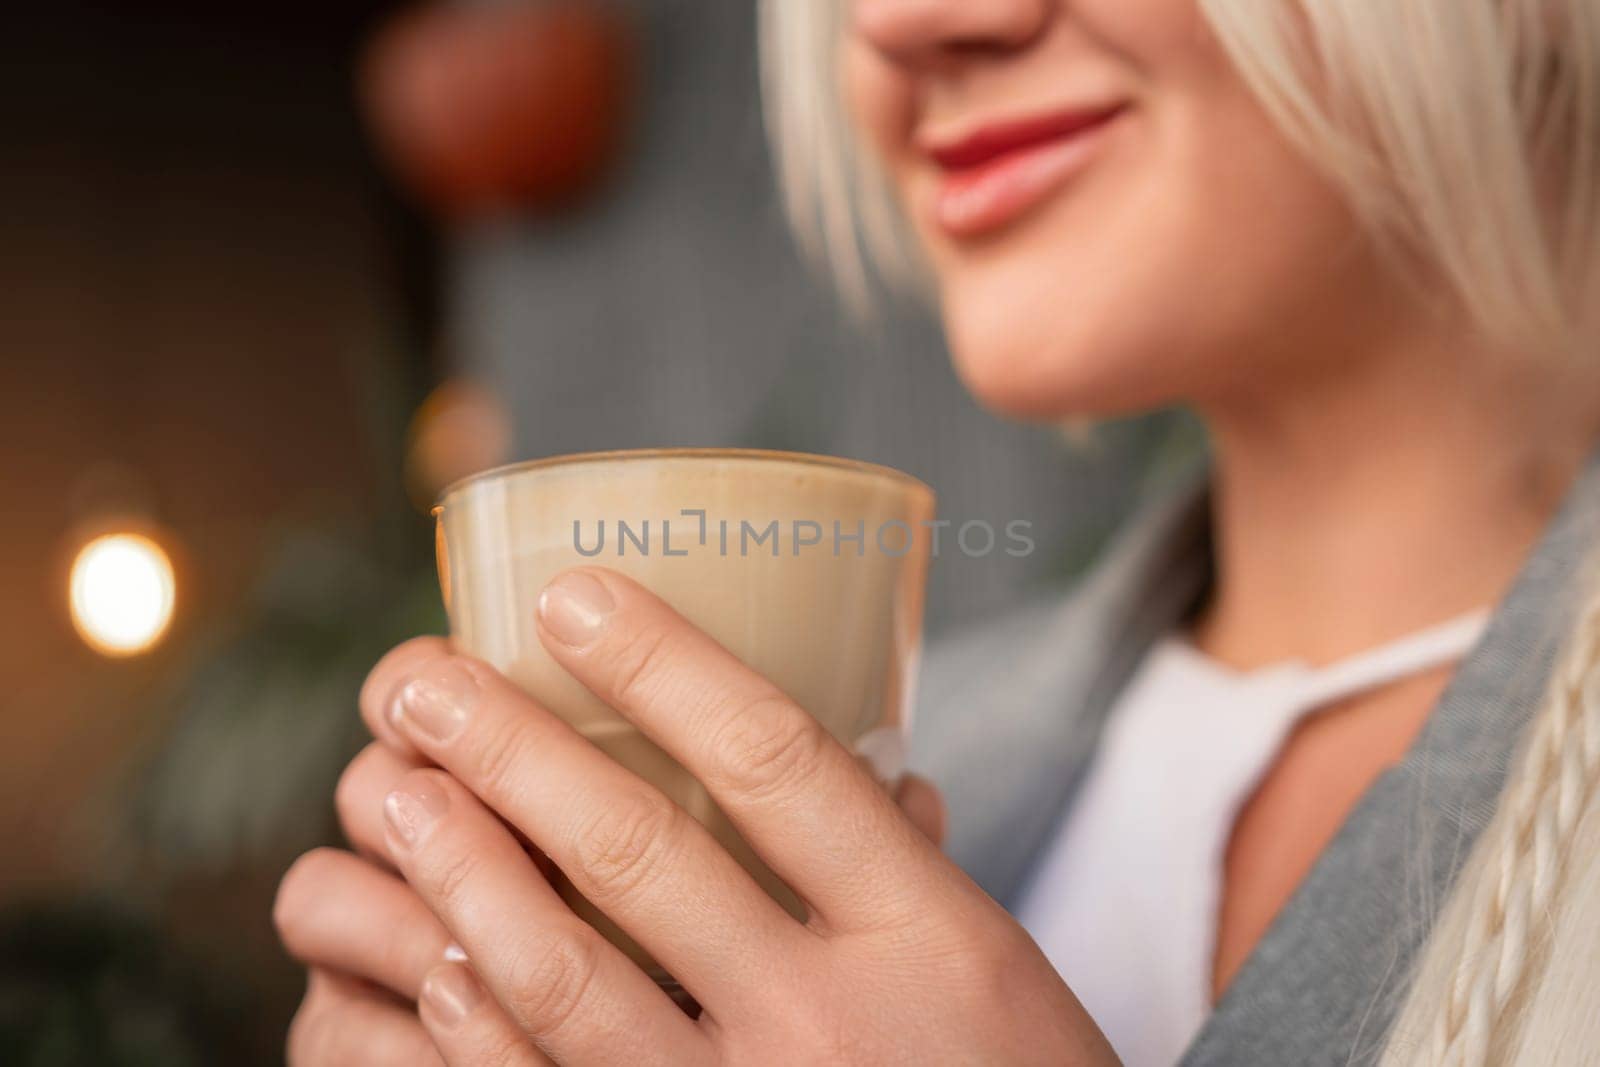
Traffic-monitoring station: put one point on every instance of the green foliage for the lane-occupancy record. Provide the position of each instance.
(267, 721)
(86, 986)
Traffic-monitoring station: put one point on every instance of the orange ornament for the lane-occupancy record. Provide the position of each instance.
(495, 108)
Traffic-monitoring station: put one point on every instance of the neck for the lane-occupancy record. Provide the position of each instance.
(1378, 498)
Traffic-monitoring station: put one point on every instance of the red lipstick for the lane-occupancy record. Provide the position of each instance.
(996, 173)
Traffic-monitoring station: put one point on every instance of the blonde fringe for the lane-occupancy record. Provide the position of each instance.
(838, 201)
(1464, 131)
(1476, 976)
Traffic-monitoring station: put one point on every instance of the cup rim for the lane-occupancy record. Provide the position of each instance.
(767, 455)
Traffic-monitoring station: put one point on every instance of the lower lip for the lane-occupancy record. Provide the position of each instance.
(985, 198)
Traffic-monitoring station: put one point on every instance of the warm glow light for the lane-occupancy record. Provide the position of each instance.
(122, 591)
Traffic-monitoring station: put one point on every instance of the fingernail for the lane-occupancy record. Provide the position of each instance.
(455, 953)
(435, 702)
(412, 810)
(452, 991)
(575, 608)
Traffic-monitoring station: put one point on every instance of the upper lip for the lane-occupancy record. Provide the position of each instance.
(990, 140)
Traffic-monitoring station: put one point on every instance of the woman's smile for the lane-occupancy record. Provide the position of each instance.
(999, 171)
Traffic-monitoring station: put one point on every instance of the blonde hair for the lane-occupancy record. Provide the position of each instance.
(838, 200)
(1467, 133)
(1509, 970)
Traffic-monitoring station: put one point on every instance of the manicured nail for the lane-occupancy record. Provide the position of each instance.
(575, 608)
(435, 702)
(455, 953)
(412, 810)
(452, 991)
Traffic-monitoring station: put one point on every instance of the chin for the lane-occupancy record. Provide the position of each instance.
(1040, 368)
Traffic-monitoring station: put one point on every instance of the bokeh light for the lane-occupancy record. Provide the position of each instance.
(460, 429)
(122, 592)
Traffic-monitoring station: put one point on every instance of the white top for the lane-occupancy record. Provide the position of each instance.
(1124, 899)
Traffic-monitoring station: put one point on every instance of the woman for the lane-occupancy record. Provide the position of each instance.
(1224, 786)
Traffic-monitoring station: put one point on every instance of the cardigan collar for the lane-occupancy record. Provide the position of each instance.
(1015, 710)
(1325, 982)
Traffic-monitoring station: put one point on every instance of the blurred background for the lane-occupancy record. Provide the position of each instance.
(273, 274)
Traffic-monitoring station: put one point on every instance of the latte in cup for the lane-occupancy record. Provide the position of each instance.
(810, 569)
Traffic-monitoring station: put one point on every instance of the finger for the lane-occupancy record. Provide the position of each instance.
(341, 1023)
(467, 1026)
(358, 798)
(338, 912)
(577, 996)
(923, 805)
(797, 796)
(370, 777)
(626, 847)
(381, 685)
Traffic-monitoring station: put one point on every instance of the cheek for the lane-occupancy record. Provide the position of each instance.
(880, 103)
(1199, 252)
